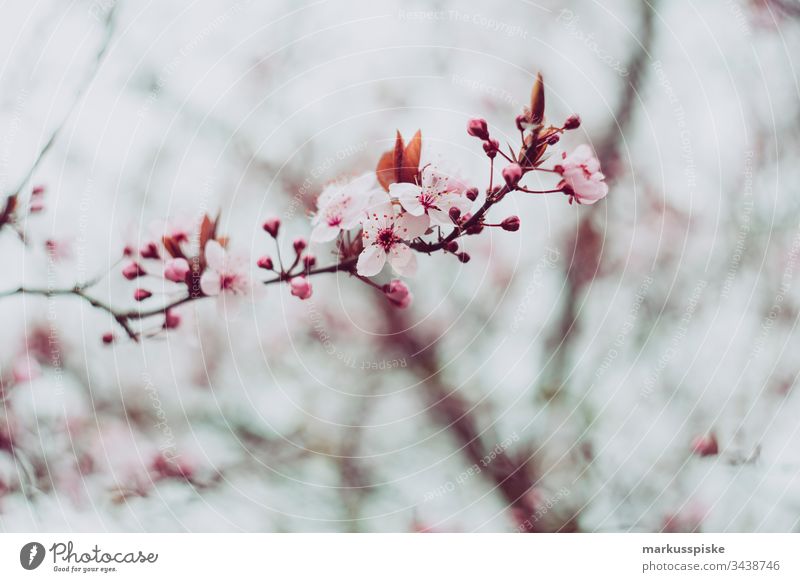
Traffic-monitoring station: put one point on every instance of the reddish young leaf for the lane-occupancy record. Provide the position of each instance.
(410, 166)
(537, 100)
(400, 164)
(207, 233)
(173, 248)
(385, 170)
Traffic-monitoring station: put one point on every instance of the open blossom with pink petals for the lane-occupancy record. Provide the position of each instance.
(383, 237)
(341, 207)
(434, 198)
(582, 178)
(224, 274)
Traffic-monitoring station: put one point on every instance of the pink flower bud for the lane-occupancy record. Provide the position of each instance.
(510, 224)
(133, 271)
(463, 257)
(705, 445)
(521, 122)
(478, 128)
(150, 251)
(397, 292)
(309, 261)
(171, 319)
(512, 175)
(301, 287)
(141, 294)
(452, 246)
(572, 122)
(491, 147)
(472, 193)
(108, 338)
(271, 226)
(455, 214)
(265, 263)
(299, 245)
(174, 467)
(176, 270)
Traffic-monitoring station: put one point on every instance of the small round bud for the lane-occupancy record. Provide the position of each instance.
(309, 261)
(512, 174)
(478, 128)
(264, 263)
(572, 122)
(452, 246)
(472, 193)
(142, 294)
(150, 251)
(475, 229)
(463, 257)
(511, 224)
(455, 214)
(271, 226)
(108, 338)
(491, 147)
(705, 445)
(299, 245)
(133, 271)
(521, 122)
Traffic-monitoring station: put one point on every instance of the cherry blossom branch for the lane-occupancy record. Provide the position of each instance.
(125, 317)
(390, 213)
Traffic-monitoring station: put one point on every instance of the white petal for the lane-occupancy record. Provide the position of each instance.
(408, 195)
(328, 196)
(363, 185)
(409, 227)
(403, 260)
(215, 255)
(324, 233)
(210, 283)
(371, 261)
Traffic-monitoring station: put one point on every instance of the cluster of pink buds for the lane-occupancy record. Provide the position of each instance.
(199, 265)
(299, 269)
(581, 178)
(13, 210)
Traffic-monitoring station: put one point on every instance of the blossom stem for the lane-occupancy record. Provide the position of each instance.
(125, 318)
(522, 189)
